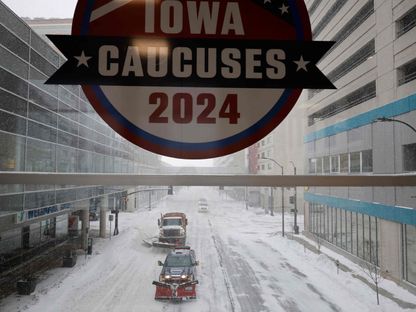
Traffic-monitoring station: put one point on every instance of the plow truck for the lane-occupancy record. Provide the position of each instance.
(172, 230)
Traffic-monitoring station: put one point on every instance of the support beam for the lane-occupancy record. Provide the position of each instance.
(206, 180)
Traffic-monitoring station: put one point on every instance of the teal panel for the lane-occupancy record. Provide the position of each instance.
(393, 109)
(392, 213)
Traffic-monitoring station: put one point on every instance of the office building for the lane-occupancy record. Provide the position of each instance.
(49, 128)
(373, 66)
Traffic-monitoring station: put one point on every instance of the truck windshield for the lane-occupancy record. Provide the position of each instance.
(172, 222)
(178, 261)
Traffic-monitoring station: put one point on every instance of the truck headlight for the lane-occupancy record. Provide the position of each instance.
(167, 276)
(182, 231)
(185, 277)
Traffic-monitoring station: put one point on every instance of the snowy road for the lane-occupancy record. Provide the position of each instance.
(245, 265)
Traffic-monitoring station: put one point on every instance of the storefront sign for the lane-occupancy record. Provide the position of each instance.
(192, 79)
(29, 215)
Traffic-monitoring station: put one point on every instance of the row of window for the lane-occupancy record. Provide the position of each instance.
(50, 197)
(327, 18)
(354, 162)
(348, 65)
(406, 72)
(354, 232)
(358, 234)
(314, 6)
(25, 154)
(16, 242)
(406, 22)
(355, 98)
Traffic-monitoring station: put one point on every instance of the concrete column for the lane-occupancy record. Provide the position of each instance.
(85, 228)
(103, 217)
(130, 200)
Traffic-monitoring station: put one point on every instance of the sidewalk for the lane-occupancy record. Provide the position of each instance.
(383, 292)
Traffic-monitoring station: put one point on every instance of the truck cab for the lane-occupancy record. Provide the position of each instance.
(177, 279)
(172, 228)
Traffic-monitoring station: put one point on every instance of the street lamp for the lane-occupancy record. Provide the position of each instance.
(295, 226)
(283, 198)
(382, 119)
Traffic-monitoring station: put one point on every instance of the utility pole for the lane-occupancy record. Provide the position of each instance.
(116, 214)
(295, 226)
(283, 195)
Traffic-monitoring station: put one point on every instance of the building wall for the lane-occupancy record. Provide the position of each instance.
(341, 135)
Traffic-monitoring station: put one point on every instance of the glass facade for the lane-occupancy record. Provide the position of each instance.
(409, 250)
(354, 232)
(49, 128)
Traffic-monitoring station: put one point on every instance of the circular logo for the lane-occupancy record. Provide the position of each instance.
(192, 79)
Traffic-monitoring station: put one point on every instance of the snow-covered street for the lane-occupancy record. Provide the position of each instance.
(244, 265)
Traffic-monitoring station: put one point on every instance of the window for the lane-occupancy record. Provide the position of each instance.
(368, 248)
(326, 164)
(360, 236)
(406, 72)
(12, 153)
(409, 157)
(66, 159)
(355, 98)
(354, 233)
(319, 165)
(335, 164)
(339, 227)
(407, 22)
(312, 165)
(344, 163)
(348, 226)
(355, 162)
(374, 239)
(367, 161)
(40, 156)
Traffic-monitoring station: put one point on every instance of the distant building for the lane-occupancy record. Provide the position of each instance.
(50, 26)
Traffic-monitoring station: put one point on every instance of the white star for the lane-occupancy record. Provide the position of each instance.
(284, 9)
(267, 1)
(301, 64)
(82, 59)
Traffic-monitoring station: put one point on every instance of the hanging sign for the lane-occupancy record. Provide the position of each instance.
(191, 79)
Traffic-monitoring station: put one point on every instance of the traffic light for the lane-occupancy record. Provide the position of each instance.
(170, 190)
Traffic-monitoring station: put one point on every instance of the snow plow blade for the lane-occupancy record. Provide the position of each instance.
(154, 242)
(163, 245)
(181, 291)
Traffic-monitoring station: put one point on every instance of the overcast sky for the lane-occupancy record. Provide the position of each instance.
(42, 8)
